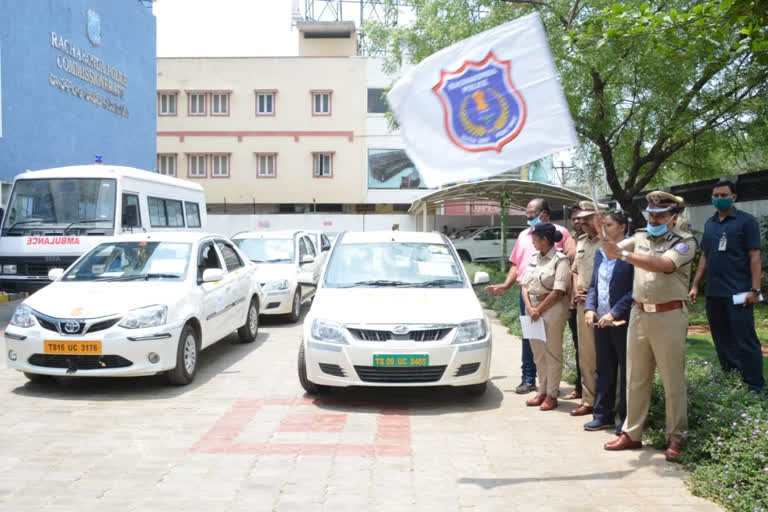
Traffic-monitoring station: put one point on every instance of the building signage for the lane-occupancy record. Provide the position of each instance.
(84, 66)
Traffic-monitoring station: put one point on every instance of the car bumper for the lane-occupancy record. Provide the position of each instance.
(278, 302)
(119, 357)
(353, 365)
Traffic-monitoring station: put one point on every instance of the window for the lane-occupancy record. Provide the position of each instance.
(220, 104)
(376, 102)
(219, 166)
(192, 211)
(231, 258)
(322, 165)
(130, 211)
(196, 166)
(166, 104)
(265, 165)
(197, 103)
(489, 234)
(165, 213)
(321, 103)
(166, 164)
(208, 259)
(302, 248)
(265, 103)
(310, 246)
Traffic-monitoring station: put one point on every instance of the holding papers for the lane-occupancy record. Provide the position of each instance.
(533, 330)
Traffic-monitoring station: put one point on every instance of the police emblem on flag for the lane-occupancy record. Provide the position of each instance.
(482, 109)
(93, 27)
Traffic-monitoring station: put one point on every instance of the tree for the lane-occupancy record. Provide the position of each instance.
(673, 89)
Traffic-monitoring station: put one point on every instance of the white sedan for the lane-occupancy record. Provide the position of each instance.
(136, 305)
(395, 309)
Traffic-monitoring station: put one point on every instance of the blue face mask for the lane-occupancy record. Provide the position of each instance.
(535, 221)
(657, 230)
(722, 203)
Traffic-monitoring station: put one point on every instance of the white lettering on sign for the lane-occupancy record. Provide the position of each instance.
(53, 240)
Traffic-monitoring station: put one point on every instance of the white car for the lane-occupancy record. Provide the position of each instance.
(321, 241)
(485, 244)
(136, 305)
(280, 258)
(395, 309)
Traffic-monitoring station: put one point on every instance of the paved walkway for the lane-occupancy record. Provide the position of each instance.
(243, 437)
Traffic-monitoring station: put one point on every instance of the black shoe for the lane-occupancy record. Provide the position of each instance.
(525, 387)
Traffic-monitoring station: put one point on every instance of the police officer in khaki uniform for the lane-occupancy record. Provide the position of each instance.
(661, 255)
(586, 247)
(545, 293)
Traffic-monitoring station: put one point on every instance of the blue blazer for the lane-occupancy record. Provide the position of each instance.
(620, 288)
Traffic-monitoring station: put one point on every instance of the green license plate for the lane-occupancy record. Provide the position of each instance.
(401, 360)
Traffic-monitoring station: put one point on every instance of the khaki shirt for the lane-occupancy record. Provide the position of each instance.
(660, 287)
(547, 272)
(584, 261)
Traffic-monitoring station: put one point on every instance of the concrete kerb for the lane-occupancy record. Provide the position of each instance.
(13, 297)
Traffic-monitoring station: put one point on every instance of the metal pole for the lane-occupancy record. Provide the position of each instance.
(425, 217)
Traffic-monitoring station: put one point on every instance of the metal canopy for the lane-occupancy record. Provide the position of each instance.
(520, 193)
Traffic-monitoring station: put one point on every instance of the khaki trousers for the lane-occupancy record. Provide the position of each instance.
(549, 355)
(656, 339)
(587, 358)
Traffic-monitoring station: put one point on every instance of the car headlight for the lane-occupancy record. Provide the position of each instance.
(22, 316)
(470, 331)
(150, 316)
(331, 332)
(9, 269)
(271, 286)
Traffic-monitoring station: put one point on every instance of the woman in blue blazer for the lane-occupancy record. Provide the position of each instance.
(608, 303)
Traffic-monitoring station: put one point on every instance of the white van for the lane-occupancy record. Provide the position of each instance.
(55, 215)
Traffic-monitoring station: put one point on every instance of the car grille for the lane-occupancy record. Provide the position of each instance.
(332, 369)
(46, 323)
(81, 362)
(467, 369)
(418, 335)
(400, 375)
(37, 265)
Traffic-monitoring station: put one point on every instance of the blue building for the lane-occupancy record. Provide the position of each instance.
(77, 79)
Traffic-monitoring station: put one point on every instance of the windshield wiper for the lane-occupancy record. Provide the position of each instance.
(84, 221)
(136, 277)
(376, 282)
(276, 260)
(436, 283)
(25, 222)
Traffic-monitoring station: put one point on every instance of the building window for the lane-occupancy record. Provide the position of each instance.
(166, 164)
(321, 103)
(220, 104)
(265, 165)
(197, 103)
(219, 166)
(165, 213)
(323, 165)
(265, 103)
(166, 104)
(377, 104)
(196, 166)
(192, 211)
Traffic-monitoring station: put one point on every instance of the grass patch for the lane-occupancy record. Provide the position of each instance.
(702, 346)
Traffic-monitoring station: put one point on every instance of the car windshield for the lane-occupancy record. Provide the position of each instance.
(128, 261)
(61, 206)
(396, 264)
(267, 250)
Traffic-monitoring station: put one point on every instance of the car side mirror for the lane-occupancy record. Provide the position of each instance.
(55, 273)
(481, 278)
(211, 275)
(307, 258)
(325, 247)
(306, 279)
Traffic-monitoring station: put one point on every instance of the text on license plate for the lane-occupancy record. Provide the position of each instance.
(72, 347)
(401, 360)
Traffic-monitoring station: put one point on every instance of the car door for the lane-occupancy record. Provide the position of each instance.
(214, 294)
(487, 244)
(306, 249)
(238, 282)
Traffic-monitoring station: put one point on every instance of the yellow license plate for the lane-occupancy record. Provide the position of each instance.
(72, 347)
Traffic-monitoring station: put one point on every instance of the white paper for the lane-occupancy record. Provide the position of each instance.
(533, 330)
(741, 298)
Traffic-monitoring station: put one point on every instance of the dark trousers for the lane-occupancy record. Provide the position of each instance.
(529, 367)
(575, 336)
(611, 355)
(736, 343)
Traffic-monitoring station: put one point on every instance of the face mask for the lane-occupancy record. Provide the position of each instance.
(657, 230)
(535, 221)
(722, 203)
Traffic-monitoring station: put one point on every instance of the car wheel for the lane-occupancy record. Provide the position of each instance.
(464, 255)
(475, 389)
(309, 386)
(295, 313)
(38, 378)
(186, 357)
(247, 333)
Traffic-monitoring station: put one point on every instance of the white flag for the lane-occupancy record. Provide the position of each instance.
(484, 105)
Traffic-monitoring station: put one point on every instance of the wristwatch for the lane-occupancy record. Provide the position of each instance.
(756, 291)
(624, 254)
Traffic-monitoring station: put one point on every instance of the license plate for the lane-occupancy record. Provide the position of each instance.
(401, 360)
(72, 347)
